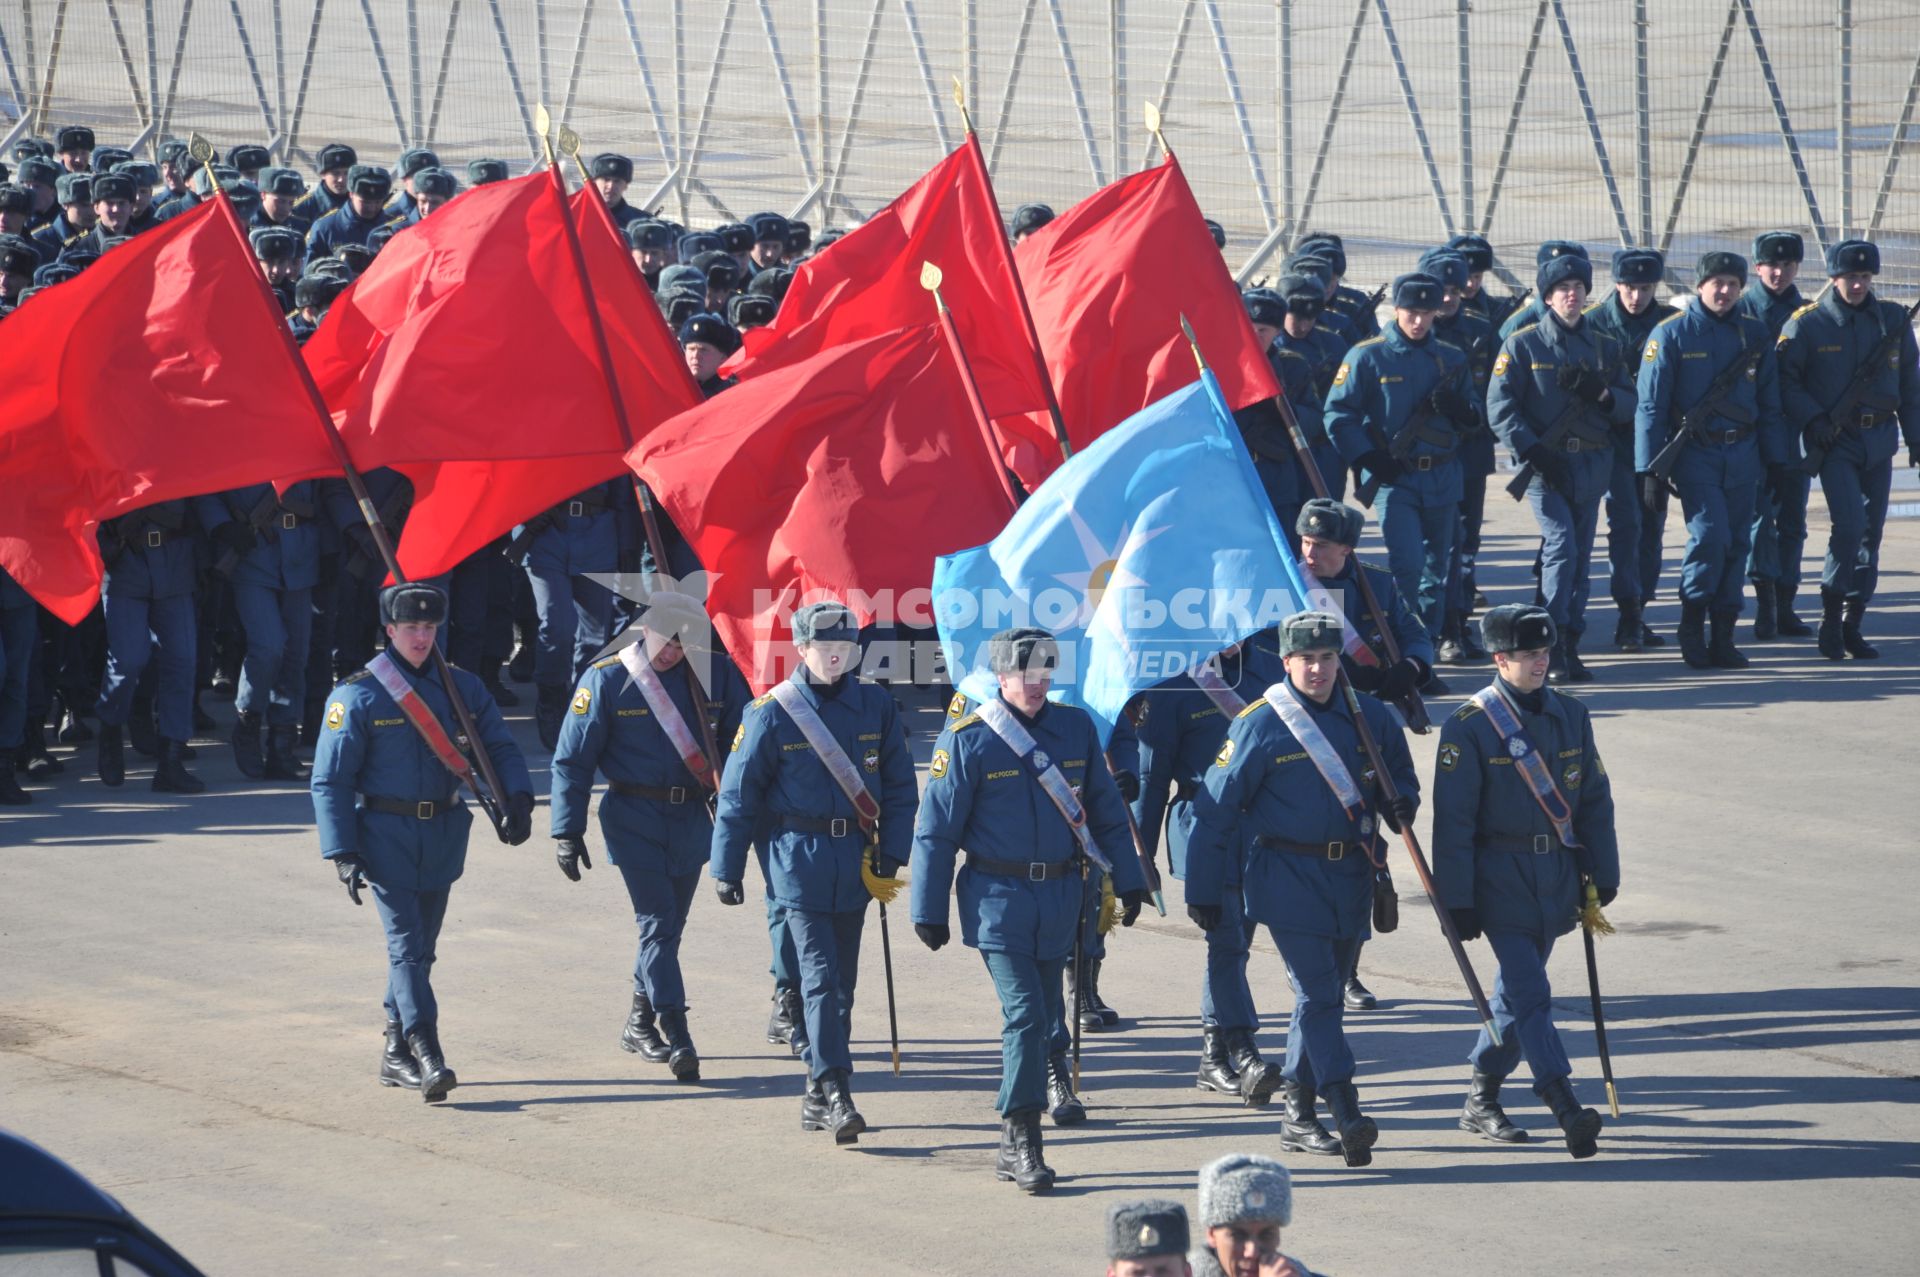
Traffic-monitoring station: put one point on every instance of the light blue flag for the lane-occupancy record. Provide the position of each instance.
(1145, 554)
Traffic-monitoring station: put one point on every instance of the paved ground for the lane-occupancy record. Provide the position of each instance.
(189, 1011)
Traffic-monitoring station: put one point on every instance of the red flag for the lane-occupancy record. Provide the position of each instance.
(459, 506)
(468, 337)
(1108, 281)
(836, 475)
(164, 371)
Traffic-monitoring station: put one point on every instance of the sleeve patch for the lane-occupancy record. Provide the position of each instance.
(739, 734)
(336, 715)
(1340, 377)
(1653, 348)
(1225, 755)
(1449, 756)
(582, 701)
(957, 706)
(939, 765)
(1500, 364)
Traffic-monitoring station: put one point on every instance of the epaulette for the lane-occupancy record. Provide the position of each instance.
(966, 722)
(1258, 702)
(1524, 328)
(1364, 342)
(1803, 310)
(355, 677)
(760, 700)
(605, 661)
(1285, 353)
(1669, 319)
(1466, 711)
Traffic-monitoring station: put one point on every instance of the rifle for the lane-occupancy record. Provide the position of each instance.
(258, 518)
(1403, 440)
(1572, 416)
(1845, 413)
(520, 545)
(1695, 419)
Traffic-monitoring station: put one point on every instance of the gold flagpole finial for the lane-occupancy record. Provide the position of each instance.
(960, 100)
(543, 125)
(569, 142)
(202, 152)
(1193, 343)
(1153, 126)
(930, 277)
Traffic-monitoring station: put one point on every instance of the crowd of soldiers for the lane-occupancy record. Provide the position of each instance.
(1268, 772)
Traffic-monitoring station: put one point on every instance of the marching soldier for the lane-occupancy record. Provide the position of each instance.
(1261, 427)
(1535, 308)
(1468, 330)
(392, 741)
(1293, 805)
(1847, 370)
(73, 147)
(280, 191)
(819, 771)
(634, 718)
(1474, 297)
(1021, 786)
(706, 342)
(336, 160)
(562, 551)
(1356, 307)
(1560, 388)
(1182, 726)
(1301, 333)
(1709, 417)
(356, 220)
(432, 188)
(1398, 409)
(1522, 820)
(147, 595)
(278, 250)
(612, 174)
(76, 214)
(651, 244)
(1027, 219)
(407, 169)
(1780, 507)
(486, 172)
(1634, 536)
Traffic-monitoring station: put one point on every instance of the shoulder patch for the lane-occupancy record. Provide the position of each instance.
(1653, 349)
(1225, 755)
(1340, 377)
(336, 715)
(1449, 756)
(957, 706)
(1500, 364)
(938, 767)
(1524, 328)
(582, 701)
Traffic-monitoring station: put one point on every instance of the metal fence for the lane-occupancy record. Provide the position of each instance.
(1679, 125)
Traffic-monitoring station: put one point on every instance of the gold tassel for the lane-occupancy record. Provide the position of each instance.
(1109, 907)
(1590, 916)
(881, 889)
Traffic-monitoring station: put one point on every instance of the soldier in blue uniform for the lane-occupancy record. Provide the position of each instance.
(73, 147)
(432, 188)
(1474, 298)
(1470, 331)
(113, 215)
(1843, 402)
(357, 220)
(486, 172)
(569, 545)
(1560, 389)
(612, 174)
(706, 342)
(1027, 219)
(1398, 408)
(1004, 782)
(1293, 804)
(280, 190)
(1352, 304)
(1300, 333)
(1634, 536)
(19, 631)
(1718, 470)
(1261, 427)
(76, 214)
(406, 170)
(1315, 261)
(335, 161)
(1780, 507)
(1502, 865)
(645, 734)
(651, 244)
(278, 250)
(270, 547)
(147, 594)
(1535, 309)
(1182, 725)
(783, 787)
(407, 835)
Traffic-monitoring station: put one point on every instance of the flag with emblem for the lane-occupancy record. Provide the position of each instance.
(1147, 552)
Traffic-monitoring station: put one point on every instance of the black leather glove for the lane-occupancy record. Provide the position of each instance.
(519, 823)
(1205, 917)
(572, 855)
(1586, 383)
(1466, 922)
(236, 536)
(1453, 404)
(1913, 459)
(1133, 902)
(1400, 678)
(1367, 678)
(353, 874)
(1653, 493)
(1399, 813)
(1551, 465)
(933, 934)
(1608, 895)
(1128, 784)
(1381, 465)
(730, 893)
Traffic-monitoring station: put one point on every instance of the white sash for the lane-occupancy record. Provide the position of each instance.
(996, 715)
(844, 771)
(1527, 760)
(1206, 677)
(1332, 768)
(671, 721)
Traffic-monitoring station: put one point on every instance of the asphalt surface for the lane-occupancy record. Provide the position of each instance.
(189, 1012)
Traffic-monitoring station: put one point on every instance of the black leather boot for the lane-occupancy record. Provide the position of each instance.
(1021, 1161)
(1626, 631)
(682, 1058)
(1786, 621)
(397, 1065)
(640, 1036)
(503, 696)
(248, 754)
(1483, 1115)
(1721, 650)
(1581, 1125)
(1109, 1017)
(796, 1023)
(1765, 611)
(140, 733)
(843, 1119)
(170, 774)
(779, 1025)
(1832, 646)
(73, 728)
(1557, 663)
(1357, 1132)
(549, 707)
(1091, 1021)
(11, 795)
(1259, 1078)
(1577, 671)
(113, 755)
(1850, 637)
(813, 1107)
(1451, 651)
(282, 761)
(1300, 1129)
(1216, 1071)
(1693, 635)
(1062, 1104)
(436, 1079)
(1357, 996)
(33, 757)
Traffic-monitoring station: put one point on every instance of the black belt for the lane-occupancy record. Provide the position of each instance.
(1425, 463)
(1319, 850)
(675, 794)
(418, 810)
(581, 508)
(1522, 844)
(1573, 444)
(1031, 870)
(154, 538)
(838, 827)
(1868, 420)
(1723, 437)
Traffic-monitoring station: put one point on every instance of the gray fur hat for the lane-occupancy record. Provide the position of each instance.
(825, 622)
(1242, 1187)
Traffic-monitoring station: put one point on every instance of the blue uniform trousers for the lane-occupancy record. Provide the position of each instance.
(1719, 524)
(1566, 555)
(574, 615)
(1626, 578)
(412, 920)
(1419, 550)
(1780, 527)
(1466, 545)
(273, 673)
(19, 628)
(1857, 506)
(1226, 1001)
(785, 967)
(1032, 1025)
(135, 626)
(1653, 547)
(1317, 967)
(827, 946)
(1522, 1006)
(661, 902)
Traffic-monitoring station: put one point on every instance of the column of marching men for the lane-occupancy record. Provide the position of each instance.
(1253, 770)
